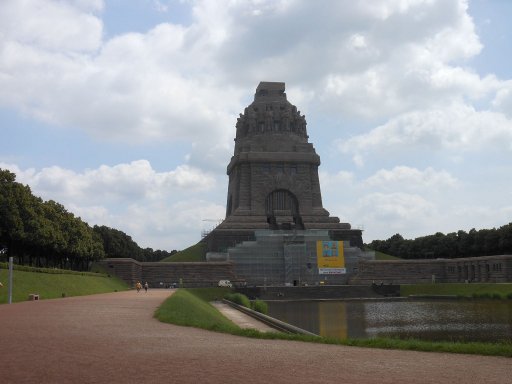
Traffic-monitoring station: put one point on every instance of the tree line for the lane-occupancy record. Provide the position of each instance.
(44, 234)
(483, 242)
(116, 243)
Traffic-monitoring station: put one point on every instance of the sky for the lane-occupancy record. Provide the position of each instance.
(124, 111)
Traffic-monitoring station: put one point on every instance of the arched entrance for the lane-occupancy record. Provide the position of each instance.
(282, 208)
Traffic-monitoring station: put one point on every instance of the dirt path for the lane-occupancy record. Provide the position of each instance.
(112, 338)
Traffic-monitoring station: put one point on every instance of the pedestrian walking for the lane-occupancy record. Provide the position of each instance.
(146, 286)
(138, 286)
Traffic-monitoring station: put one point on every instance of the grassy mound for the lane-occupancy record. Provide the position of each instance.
(191, 307)
(384, 256)
(196, 252)
(186, 308)
(53, 285)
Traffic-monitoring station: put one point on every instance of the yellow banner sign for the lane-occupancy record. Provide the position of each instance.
(330, 257)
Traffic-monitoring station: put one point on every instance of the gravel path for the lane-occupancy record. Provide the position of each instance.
(112, 338)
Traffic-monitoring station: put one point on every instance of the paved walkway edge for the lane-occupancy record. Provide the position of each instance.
(271, 321)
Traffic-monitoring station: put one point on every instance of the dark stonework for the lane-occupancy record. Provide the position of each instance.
(273, 175)
(483, 269)
(165, 275)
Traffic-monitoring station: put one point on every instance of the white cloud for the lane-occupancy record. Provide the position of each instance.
(503, 100)
(51, 25)
(136, 180)
(88, 5)
(414, 202)
(400, 65)
(457, 128)
(174, 81)
(395, 207)
(134, 87)
(170, 225)
(407, 178)
(337, 180)
(159, 224)
(156, 208)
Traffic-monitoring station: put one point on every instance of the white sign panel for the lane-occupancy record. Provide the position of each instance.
(332, 271)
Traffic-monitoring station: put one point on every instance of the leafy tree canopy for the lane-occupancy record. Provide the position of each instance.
(483, 242)
(45, 234)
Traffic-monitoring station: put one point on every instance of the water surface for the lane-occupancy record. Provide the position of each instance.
(434, 320)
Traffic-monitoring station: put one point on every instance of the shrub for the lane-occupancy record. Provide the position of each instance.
(260, 306)
(509, 296)
(239, 299)
(52, 271)
(496, 296)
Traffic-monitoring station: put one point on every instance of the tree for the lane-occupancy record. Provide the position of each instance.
(11, 225)
(46, 234)
(485, 242)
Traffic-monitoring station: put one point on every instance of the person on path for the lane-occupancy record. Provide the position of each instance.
(146, 286)
(138, 286)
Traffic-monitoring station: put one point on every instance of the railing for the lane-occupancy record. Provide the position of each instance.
(270, 321)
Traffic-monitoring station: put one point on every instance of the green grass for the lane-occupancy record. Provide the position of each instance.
(487, 349)
(186, 308)
(190, 307)
(53, 285)
(260, 306)
(239, 299)
(381, 255)
(458, 289)
(385, 256)
(94, 272)
(195, 252)
(210, 294)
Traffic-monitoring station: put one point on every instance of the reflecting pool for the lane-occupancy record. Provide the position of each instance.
(435, 320)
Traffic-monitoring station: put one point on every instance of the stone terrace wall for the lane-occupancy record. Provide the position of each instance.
(191, 274)
(495, 269)
(163, 275)
(333, 292)
(128, 270)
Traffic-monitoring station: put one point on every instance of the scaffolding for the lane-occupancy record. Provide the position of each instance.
(288, 258)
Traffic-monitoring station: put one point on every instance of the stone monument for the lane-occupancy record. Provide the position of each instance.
(273, 176)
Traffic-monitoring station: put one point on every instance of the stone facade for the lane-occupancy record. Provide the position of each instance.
(163, 275)
(273, 175)
(485, 269)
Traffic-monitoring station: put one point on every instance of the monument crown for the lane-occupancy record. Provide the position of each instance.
(267, 89)
(270, 114)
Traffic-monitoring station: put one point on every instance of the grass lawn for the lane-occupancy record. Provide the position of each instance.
(186, 308)
(384, 256)
(50, 286)
(195, 252)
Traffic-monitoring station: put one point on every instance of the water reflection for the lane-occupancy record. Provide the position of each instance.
(465, 320)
